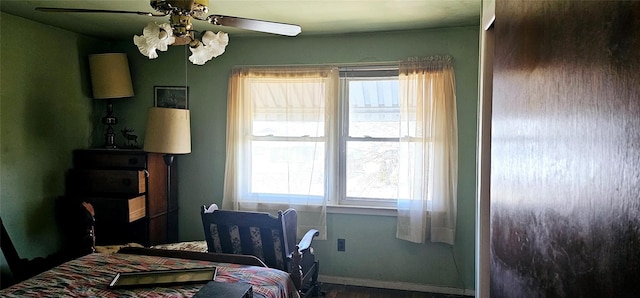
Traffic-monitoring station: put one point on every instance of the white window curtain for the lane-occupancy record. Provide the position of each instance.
(291, 109)
(427, 201)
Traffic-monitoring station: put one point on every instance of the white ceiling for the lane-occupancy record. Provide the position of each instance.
(314, 16)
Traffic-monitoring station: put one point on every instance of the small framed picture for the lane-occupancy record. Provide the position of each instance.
(175, 97)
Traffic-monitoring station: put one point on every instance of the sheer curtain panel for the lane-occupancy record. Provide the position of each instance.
(280, 150)
(428, 151)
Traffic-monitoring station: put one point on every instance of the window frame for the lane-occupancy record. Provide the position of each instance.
(360, 73)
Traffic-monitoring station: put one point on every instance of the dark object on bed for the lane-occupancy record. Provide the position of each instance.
(271, 239)
(226, 290)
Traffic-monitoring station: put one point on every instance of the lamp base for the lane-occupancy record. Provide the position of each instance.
(109, 119)
(109, 138)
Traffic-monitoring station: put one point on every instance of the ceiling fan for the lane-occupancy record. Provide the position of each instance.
(180, 30)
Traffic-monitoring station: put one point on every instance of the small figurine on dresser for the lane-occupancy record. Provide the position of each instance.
(131, 140)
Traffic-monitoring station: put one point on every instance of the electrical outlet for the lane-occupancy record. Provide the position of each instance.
(341, 244)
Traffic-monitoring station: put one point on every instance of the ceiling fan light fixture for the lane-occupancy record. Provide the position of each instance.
(180, 30)
(212, 45)
(154, 37)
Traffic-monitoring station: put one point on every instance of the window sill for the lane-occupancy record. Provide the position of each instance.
(378, 211)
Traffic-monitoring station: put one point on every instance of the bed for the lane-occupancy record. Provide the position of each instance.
(89, 276)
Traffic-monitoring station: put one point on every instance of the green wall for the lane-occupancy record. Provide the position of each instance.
(373, 252)
(47, 112)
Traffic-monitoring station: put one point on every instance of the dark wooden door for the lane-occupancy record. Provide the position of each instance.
(565, 162)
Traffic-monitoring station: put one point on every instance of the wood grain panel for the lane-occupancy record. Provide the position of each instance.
(157, 185)
(565, 174)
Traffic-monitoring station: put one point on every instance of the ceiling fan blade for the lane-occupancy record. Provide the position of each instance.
(56, 9)
(255, 25)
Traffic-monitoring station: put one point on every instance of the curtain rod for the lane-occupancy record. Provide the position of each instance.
(354, 64)
(341, 64)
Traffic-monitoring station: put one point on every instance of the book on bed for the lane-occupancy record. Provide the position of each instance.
(162, 277)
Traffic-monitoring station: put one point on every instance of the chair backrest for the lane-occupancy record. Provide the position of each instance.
(14, 261)
(260, 234)
(82, 242)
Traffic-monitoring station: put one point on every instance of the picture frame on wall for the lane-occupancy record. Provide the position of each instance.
(175, 97)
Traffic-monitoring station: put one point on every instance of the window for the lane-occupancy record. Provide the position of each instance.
(369, 129)
(305, 137)
(293, 121)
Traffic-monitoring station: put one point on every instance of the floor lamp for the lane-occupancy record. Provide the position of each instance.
(168, 132)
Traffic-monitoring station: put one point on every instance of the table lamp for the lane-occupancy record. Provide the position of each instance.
(110, 79)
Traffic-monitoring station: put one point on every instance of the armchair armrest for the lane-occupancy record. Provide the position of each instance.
(305, 243)
(298, 255)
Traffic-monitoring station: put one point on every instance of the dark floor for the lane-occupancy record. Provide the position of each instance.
(343, 291)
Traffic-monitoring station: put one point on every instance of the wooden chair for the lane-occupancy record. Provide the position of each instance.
(22, 268)
(270, 239)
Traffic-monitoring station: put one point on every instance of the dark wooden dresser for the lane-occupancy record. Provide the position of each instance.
(128, 189)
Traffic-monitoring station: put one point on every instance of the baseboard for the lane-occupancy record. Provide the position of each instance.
(395, 285)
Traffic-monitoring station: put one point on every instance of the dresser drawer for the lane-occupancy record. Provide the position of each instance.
(119, 209)
(92, 159)
(110, 181)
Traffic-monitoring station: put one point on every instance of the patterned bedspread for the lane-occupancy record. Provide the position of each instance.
(199, 246)
(89, 276)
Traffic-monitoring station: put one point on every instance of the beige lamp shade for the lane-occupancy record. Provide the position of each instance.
(110, 76)
(168, 131)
